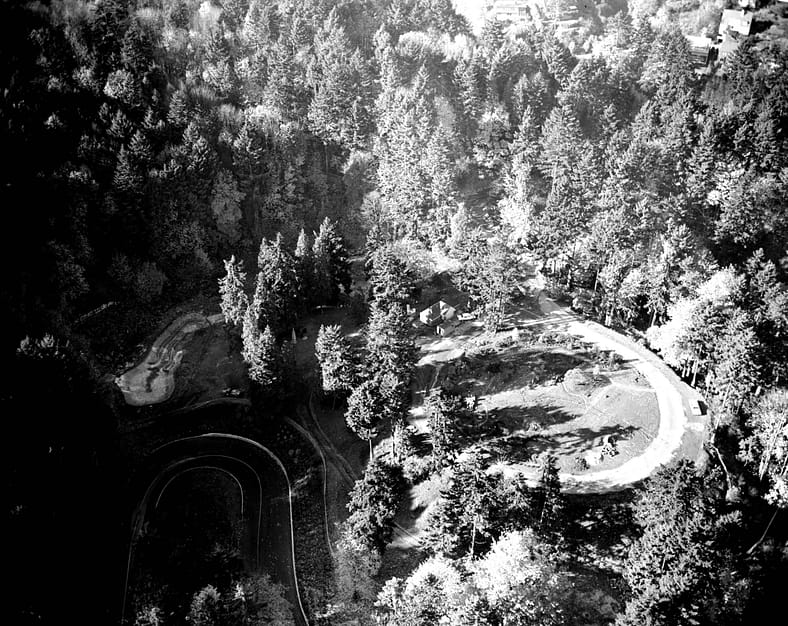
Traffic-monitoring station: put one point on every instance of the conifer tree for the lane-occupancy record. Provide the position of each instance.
(121, 128)
(335, 357)
(766, 447)
(140, 151)
(373, 504)
(472, 87)
(206, 607)
(331, 261)
(737, 368)
(247, 160)
(277, 289)
(305, 268)
(128, 178)
(469, 512)
(562, 142)
(439, 172)
(557, 58)
(149, 616)
(364, 408)
(250, 334)
(337, 110)
(355, 566)
(259, 26)
(390, 348)
(391, 280)
(234, 301)
(265, 364)
(256, 599)
(674, 569)
(226, 201)
(444, 410)
(487, 275)
(179, 111)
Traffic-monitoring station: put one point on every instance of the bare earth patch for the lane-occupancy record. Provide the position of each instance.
(533, 398)
(153, 380)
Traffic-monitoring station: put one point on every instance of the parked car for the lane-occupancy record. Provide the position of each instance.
(695, 407)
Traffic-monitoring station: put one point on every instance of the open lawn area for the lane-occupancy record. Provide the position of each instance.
(544, 393)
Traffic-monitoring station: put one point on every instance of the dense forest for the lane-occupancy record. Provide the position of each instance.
(154, 147)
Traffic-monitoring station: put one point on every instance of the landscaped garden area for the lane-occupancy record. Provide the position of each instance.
(547, 392)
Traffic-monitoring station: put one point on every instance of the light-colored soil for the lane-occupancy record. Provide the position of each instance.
(153, 380)
(552, 418)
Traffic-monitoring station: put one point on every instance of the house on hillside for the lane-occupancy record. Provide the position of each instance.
(733, 21)
(734, 27)
(437, 313)
(518, 11)
(700, 52)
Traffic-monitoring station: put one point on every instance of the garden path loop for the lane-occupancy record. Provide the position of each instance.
(672, 418)
(672, 396)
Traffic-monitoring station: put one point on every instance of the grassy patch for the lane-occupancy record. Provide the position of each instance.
(547, 392)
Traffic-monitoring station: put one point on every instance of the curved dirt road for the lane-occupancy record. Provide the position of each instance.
(265, 486)
(675, 419)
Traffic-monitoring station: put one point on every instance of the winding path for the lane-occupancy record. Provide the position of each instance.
(152, 380)
(264, 485)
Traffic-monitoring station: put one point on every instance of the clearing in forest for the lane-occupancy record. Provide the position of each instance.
(545, 393)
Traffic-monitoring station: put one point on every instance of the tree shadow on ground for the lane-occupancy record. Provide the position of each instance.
(526, 444)
(599, 523)
(580, 440)
(533, 417)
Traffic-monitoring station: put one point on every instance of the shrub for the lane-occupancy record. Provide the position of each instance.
(579, 464)
(416, 468)
(149, 282)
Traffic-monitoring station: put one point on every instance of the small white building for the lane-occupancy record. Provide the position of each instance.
(437, 313)
(734, 27)
(734, 21)
(444, 329)
(699, 50)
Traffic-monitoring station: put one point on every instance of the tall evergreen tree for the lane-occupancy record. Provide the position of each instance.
(674, 570)
(277, 290)
(335, 357)
(373, 504)
(338, 109)
(234, 301)
(332, 266)
(766, 446)
(469, 513)
(305, 268)
(488, 275)
(391, 281)
(265, 366)
(444, 410)
(390, 348)
(364, 408)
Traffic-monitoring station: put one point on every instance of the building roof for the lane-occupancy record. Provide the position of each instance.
(699, 42)
(518, 10)
(434, 310)
(737, 21)
(699, 49)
